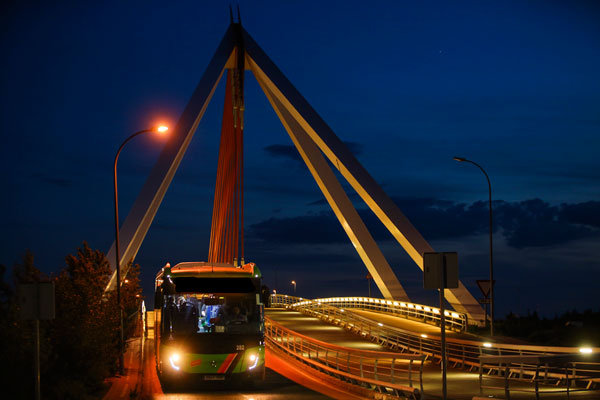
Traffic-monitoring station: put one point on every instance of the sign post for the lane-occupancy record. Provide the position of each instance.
(440, 271)
(484, 286)
(36, 301)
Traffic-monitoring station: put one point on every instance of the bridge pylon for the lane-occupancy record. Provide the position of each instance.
(315, 141)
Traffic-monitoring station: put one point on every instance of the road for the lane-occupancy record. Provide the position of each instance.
(141, 381)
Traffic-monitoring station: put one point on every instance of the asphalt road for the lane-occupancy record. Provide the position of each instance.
(141, 381)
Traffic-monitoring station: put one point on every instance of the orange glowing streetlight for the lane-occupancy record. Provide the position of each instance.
(158, 129)
(294, 283)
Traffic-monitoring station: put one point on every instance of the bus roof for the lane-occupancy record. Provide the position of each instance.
(212, 270)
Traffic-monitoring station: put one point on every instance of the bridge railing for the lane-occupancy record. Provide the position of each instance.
(460, 352)
(539, 374)
(386, 372)
(429, 315)
(278, 300)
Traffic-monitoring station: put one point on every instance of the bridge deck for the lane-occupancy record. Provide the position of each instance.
(317, 329)
(412, 326)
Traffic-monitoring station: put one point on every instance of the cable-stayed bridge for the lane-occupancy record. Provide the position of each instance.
(390, 347)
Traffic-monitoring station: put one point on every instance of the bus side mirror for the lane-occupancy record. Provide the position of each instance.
(260, 310)
(158, 298)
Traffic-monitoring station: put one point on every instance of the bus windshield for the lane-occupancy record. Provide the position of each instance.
(189, 314)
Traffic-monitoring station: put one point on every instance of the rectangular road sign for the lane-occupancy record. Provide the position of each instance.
(27, 295)
(36, 300)
(432, 270)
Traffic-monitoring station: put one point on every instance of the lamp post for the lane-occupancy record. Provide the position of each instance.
(160, 129)
(294, 283)
(461, 159)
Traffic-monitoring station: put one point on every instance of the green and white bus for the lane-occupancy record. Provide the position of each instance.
(209, 322)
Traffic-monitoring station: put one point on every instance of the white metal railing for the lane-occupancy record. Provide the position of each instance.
(460, 352)
(422, 313)
(284, 300)
(429, 315)
(539, 374)
(386, 372)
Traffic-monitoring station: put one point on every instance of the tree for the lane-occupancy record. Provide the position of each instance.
(16, 336)
(85, 331)
(79, 348)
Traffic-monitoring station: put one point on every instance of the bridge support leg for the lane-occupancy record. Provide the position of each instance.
(359, 235)
(342, 158)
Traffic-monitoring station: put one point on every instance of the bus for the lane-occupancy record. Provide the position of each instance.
(209, 323)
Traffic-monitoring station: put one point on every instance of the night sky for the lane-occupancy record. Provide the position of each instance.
(513, 86)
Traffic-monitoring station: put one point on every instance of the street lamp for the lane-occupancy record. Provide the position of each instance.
(159, 129)
(461, 159)
(294, 283)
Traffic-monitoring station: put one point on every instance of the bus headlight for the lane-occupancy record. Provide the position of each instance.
(253, 360)
(174, 361)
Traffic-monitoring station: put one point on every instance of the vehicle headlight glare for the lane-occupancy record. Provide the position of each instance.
(253, 358)
(174, 361)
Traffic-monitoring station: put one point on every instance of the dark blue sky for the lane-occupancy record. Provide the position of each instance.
(511, 85)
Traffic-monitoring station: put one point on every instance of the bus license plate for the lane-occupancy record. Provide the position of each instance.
(214, 377)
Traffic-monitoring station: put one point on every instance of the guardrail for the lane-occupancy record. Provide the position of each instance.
(429, 315)
(384, 372)
(462, 353)
(539, 374)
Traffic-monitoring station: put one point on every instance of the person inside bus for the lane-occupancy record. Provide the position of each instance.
(189, 309)
(185, 316)
(235, 316)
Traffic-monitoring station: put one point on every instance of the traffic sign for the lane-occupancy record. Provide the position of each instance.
(36, 300)
(484, 286)
(433, 264)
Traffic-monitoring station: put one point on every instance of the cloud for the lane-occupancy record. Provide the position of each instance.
(534, 223)
(290, 152)
(43, 178)
(322, 228)
(529, 223)
(582, 213)
(283, 151)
